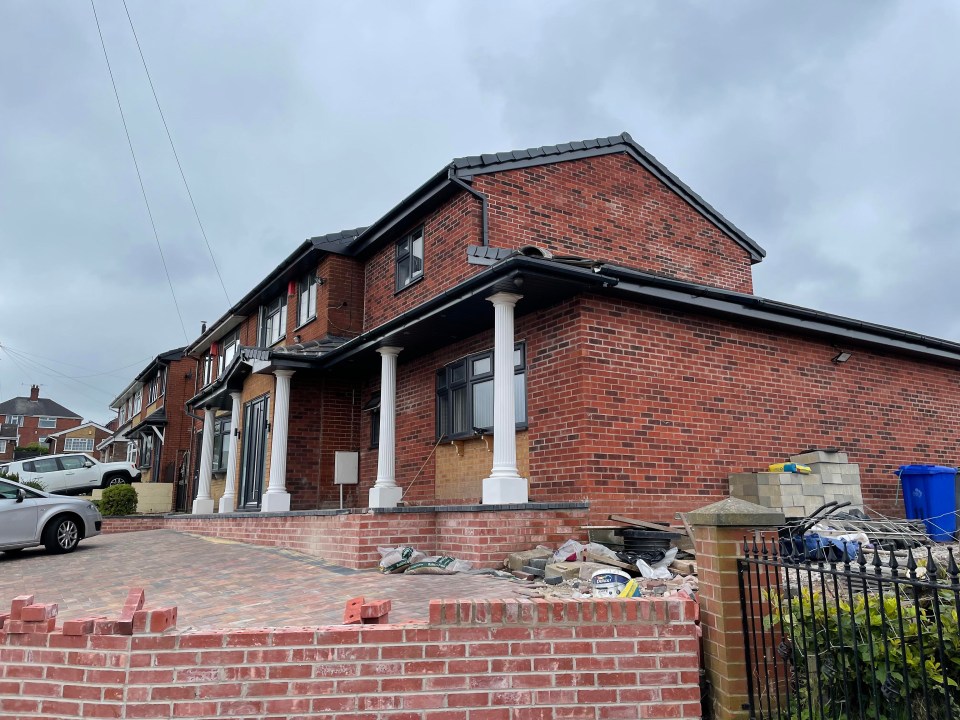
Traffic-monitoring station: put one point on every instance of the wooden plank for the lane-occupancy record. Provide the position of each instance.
(646, 525)
(686, 526)
(604, 560)
(683, 567)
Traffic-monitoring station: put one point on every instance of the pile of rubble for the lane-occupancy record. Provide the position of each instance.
(642, 559)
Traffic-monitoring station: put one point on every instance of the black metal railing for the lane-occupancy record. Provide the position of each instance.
(839, 633)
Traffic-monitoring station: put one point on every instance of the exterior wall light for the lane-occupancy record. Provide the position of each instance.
(842, 357)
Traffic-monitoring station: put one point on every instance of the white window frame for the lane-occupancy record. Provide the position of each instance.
(273, 321)
(78, 444)
(229, 346)
(3, 446)
(138, 401)
(46, 422)
(131, 452)
(208, 363)
(15, 420)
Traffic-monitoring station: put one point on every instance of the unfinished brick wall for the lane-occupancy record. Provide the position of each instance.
(476, 659)
(351, 540)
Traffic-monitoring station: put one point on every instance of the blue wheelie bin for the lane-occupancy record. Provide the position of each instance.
(930, 494)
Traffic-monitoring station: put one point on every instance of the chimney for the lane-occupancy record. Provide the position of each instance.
(34, 392)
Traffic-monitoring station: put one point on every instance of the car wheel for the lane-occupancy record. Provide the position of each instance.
(61, 534)
(115, 480)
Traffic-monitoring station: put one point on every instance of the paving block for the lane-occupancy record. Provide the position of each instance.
(566, 570)
(819, 456)
(18, 604)
(517, 560)
(351, 614)
(535, 571)
(540, 563)
(39, 613)
(520, 574)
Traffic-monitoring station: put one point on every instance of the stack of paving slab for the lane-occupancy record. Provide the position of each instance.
(833, 478)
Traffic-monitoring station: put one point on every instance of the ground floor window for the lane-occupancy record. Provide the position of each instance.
(131, 452)
(373, 407)
(146, 450)
(75, 444)
(3, 446)
(465, 394)
(221, 444)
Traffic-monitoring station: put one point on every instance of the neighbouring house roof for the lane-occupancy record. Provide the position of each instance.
(161, 359)
(8, 431)
(33, 408)
(80, 427)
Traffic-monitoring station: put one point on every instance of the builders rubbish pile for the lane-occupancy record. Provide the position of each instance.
(630, 562)
(410, 561)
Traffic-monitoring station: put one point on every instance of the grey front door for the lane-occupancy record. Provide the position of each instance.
(255, 414)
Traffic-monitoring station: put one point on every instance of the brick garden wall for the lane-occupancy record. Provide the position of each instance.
(351, 540)
(474, 660)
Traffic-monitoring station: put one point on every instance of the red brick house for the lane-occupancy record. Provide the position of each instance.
(37, 418)
(152, 422)
(8, 440)
(83, 438)
(563, 323)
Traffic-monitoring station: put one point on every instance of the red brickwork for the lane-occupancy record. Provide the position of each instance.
(31, 432)
(610, 208)
(475, 660)
(351, 540)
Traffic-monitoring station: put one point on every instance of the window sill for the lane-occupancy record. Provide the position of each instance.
(471, 436)
(305, 323)
(277, 341)
(409, 284)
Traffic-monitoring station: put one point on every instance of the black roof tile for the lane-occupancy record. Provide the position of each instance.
(33, 408)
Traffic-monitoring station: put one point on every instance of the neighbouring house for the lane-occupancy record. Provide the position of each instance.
(152, 422)
(115, 448)
(563, 323)
(37, 418)
(8, 440)
(83, 438)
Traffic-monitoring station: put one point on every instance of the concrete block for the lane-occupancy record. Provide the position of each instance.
(819, 456)
(517, 560)
(566, 570)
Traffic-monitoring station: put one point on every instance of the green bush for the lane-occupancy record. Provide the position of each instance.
(33, 448)
(35, 484)
(10, 476)
(893, 637)
(118, 500)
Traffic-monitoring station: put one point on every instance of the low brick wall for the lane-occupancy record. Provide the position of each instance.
(474, 660)
(351, 539)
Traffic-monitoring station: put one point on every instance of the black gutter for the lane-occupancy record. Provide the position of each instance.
(504, 270)
(485, 240)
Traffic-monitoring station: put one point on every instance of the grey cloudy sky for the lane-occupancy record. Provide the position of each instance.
(826, 131)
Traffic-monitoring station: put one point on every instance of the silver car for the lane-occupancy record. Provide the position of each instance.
(30, 517)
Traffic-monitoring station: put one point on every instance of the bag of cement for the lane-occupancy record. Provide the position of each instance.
(570, 551)
(438, 565)
(396, 560)
(601, 550)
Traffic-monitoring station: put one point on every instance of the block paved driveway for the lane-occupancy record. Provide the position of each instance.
(219, 584)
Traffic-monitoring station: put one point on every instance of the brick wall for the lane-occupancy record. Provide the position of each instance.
(351, 540)
(31, 432)
(610, 208)
(475, 660)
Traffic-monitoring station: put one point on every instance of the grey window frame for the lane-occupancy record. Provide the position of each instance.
(448, 382)
(276, 307)
(307, 286)
(221, 443)
(404, 256)
(47, 418)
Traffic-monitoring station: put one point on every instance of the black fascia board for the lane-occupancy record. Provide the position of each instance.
(162, 359)
(500, 274)
(648, 161)
(772, 312)
(267, 286)
(401, 212)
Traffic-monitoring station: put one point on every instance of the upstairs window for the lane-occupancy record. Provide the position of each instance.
(15, 420)
(307, 299)
(273, 321)
(228, 349)
(47, 422)
(138, 401)
(465, 394)
(122, 415)
(410, 258)
(156, 386)
(208, 362)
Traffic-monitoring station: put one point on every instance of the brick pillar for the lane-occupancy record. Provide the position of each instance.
(719, 530)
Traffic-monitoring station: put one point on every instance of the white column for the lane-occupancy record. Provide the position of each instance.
(276, 498)
(228, 503)
(385, 492)
(203, 504)
(504, 484)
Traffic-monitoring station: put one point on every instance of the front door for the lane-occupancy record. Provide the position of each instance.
(254, 452)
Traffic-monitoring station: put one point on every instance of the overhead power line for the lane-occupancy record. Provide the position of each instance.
(136, 165)
(175, 155)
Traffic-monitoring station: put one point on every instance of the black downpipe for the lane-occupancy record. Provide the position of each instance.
(483, 204)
